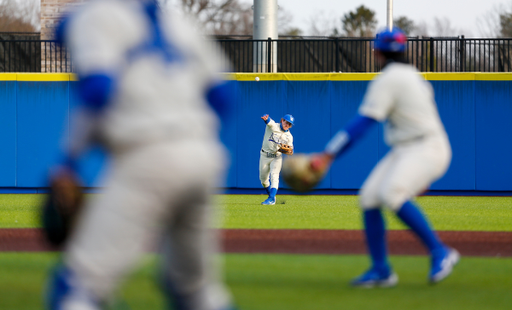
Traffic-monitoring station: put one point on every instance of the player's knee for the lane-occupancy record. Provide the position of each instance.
(265, 182)
(368, 200)
(394, 197)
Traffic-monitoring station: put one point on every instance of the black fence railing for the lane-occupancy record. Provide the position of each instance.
(33, 56)
(445, 54)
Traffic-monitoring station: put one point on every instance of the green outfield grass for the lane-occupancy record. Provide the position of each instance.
(310, 212)
(292, 282)
(297, 282)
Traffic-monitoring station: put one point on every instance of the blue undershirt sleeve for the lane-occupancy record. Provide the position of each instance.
(221, 98)
(95, 90)
(345, 138)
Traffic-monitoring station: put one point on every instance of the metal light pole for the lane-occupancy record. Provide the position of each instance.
(265, 27)
(390, 15)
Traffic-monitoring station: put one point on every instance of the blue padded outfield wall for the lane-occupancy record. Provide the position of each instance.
(476, 109)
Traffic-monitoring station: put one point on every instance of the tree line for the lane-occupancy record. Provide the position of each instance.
(235, 17)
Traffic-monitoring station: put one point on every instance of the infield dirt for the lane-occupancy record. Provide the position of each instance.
(306, 241)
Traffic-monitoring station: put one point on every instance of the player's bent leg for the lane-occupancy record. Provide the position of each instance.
(443, 258)
(111, 236)
(191, 275)
(417, 167)
(265, 171)
(414, 218)
(380, 274)
(275, 169)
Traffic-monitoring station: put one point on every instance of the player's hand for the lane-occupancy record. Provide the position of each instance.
(265, 117)
(321, 162)
(303, 172)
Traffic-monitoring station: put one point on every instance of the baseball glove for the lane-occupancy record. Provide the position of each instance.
(61, 208)
(302, 172)
(286, 149)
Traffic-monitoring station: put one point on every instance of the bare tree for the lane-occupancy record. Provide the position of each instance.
(284, 19)
(497, 22)
(322, 25)
(226, 17)
(443, 28)
(19, 16)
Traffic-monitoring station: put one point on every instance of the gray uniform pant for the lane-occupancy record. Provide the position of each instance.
(156, 195)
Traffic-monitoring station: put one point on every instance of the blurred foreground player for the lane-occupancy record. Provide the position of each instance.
(420, 154)
(150, 93)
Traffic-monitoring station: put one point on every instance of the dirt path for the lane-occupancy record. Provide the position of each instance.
(297, 241)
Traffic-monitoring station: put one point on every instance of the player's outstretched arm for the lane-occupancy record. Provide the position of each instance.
(355, 129)
(338, 144)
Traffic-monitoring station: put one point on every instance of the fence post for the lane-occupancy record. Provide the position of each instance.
(462, 53)
(269, 55)
(337, 63)
(431, 54)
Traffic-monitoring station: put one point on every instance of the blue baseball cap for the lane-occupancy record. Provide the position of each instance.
(391, 41)
(289, 118)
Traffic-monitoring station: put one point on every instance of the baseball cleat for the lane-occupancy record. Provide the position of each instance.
(442, 264)
(374, 278)
(269, 201)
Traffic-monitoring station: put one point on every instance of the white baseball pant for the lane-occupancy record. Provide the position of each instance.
(406, 171)
(157, 194)
(270, 167)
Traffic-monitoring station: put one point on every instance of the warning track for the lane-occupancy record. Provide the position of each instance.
(307, 241)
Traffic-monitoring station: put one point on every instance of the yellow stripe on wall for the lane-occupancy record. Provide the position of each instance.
(431, 76)
(7, 76)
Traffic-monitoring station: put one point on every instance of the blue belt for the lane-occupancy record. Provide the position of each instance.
(269, 155)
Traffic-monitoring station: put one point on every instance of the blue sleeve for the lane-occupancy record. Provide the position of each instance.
(221, 98)
(346, 137)
(60, 30)
(268, 120)
(95, 90)
(358, 126)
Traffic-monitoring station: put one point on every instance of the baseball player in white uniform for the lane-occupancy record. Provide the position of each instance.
(276, 136)
(149, 91)
(420, 154)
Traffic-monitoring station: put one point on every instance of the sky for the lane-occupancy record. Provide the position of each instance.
(462, 14)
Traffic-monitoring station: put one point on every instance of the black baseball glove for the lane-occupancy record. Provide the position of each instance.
(61, 207)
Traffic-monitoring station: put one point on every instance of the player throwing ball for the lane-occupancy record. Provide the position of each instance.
(420, 154)
(277, 141)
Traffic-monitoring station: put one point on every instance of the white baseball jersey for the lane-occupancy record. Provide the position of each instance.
(167, 159)
(156, 99)
(406, 101)
(420, 151)
(274, 136)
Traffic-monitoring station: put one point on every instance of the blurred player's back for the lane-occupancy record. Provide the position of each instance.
(162, 65)
(149, 88)
(406, 100)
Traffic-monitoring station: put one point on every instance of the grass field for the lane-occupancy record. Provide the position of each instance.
(310, 212)
(298, 282)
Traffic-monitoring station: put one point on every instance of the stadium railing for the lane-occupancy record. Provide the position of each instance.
(294, 54)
